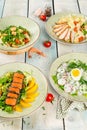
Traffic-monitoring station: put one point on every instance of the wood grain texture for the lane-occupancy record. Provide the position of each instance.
(42, 119)
(11, 124)
(15, 7)
(78, 120)
(2, 3)
(42, 63)
(83, 6)
(12, 7)
(45, 117)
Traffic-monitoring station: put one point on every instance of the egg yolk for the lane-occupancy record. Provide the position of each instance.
(75, 72)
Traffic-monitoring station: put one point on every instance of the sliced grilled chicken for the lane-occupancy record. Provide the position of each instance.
(58, 25)
(67, 36)
(72, 36)
(63, 35)
(59, 28)
(62, 30)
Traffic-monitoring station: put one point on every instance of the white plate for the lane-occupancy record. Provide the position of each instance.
(53, 70)
(42, 87)
(25, 22)
(51, 22)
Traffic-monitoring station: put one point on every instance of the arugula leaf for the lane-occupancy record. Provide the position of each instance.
(54, 77)
(78, 64)
(62, 87)
(83, 81)
(72, 65)
(74, 94)
(84, 32)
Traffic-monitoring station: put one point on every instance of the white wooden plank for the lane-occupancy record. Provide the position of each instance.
(64, 49)
(43, 119)
(13, 7)
(66, 6)
(83, 116)
(1, 7)
(83, 6)
(6, 124)
(39, 121)
(78, 120)
(42, 62)
(11, 58)
(74, 120)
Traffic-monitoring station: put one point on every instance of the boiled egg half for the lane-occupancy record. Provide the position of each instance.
(76, 74)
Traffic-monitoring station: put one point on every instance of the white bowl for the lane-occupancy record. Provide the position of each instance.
(25, 22)
(53, 69)
(42, 87)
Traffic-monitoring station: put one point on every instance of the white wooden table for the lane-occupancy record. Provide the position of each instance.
(44, 119)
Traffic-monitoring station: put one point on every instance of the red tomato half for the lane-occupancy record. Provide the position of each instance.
(49, 97)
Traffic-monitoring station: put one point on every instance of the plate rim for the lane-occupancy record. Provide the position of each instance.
(58, 40)
(25, 48)
(54, 86)
(21, 116)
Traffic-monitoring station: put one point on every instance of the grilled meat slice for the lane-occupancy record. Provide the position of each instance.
(12, 95)
(11, 101)
(19, 75)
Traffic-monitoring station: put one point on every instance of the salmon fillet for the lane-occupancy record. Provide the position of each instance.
(14, 90)
(17, 80)
(19, 75)
(17, 85)
(12, 95)
(10, 101)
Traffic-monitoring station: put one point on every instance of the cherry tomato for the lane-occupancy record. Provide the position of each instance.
(49, 97)
(47, 43)
(17, 41)
(25, 32)
(43, 17)
(26, 40)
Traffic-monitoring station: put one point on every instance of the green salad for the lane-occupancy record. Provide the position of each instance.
(13, 86)
(14, 36)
